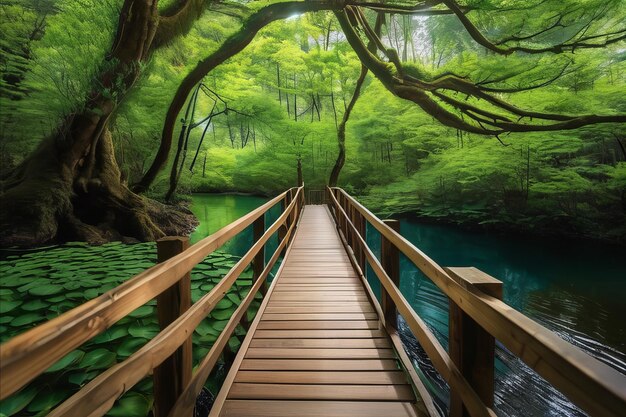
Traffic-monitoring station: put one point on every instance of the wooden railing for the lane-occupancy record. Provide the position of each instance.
(478, 316)
(168, 354)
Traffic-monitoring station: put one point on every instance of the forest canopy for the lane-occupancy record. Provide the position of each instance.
(509, 114)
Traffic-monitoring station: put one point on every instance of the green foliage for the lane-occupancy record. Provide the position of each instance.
(287, 91)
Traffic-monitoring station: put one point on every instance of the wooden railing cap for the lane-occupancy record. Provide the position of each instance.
(469, 276)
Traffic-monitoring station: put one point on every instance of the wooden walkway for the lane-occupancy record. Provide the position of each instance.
(317, 347)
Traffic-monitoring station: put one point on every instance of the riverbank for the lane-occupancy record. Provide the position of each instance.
(499, 221)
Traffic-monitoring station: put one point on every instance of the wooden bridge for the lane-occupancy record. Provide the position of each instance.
(320, 345)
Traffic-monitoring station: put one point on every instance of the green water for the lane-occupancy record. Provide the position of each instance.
(215, 211)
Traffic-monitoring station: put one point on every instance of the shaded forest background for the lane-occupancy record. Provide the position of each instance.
(276, 107)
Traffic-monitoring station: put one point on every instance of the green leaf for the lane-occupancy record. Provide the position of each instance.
(98, 359)
(18, 401)
(129, 346)
(45, 289)
(142, 311)
(6, 306)
(45, 400)
(223, 304)
(35, 305)
(26, 319)
(144, 331)
(81, 377)
(131, 405)
(69, 359)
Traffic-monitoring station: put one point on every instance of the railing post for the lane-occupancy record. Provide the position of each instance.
(363, 233)
(390, 260)
(472, 348)
(171, 376)
(258, 264)
(282, 230)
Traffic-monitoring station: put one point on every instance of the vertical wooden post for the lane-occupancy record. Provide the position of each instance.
(363, 233)
(171, 376)
(390, 260)
(282, 230)
(258, 264)
(472, 348)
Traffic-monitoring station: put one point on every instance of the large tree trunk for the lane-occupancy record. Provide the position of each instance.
(70, 188)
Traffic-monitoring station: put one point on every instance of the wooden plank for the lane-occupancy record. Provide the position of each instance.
(277, 408)
(323, 377)
(321, 343)
(317, 297)
(377, 364)
(321, 392)
(308, 324)
(221, 396)
(325, 309)
(317, 286)
(317, 353)
(321, 316)
(314, 304)
(318, 334)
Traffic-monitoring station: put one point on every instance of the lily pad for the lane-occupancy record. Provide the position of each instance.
(82, 377)
(205, 328)
(34, 305)
(129, 346)
(91, 293)
(98, 359)
(234, 298)
(45, 289)
(144, 331)
(131, 405)
(112, 334)
(223, 304)
(26, 319)
(5, 292)
(18, 401)
(222, 314)
(69, 359)
(6, 306)
(45, 400)
(142, 311)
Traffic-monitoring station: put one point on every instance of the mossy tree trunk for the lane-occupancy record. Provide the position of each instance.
(70, 187)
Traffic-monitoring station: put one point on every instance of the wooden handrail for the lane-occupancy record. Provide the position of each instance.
(587, 382)
(437, 354)
(187, 400)
(99, 395)
(28, 355)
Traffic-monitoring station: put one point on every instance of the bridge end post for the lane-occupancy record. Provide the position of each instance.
(174, 373)
(390, 260)
(471, 347)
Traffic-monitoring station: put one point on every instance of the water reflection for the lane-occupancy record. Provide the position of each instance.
(215, 211)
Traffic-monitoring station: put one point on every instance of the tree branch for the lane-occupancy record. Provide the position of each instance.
(477, 35)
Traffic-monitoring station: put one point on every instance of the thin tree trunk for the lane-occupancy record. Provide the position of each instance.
(341, 130)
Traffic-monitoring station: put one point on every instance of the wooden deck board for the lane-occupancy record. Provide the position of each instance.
(317, 347)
